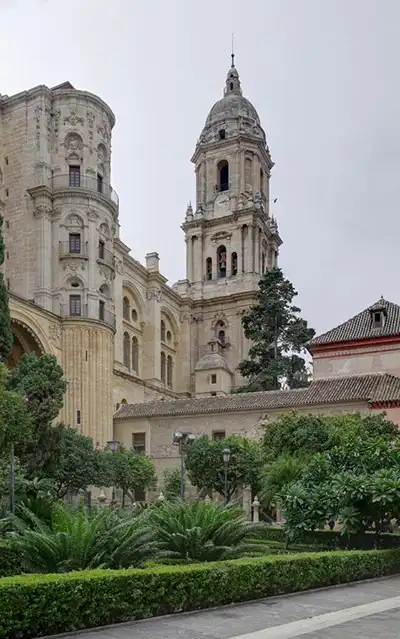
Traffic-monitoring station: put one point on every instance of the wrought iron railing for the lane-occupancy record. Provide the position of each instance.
(66, 249)
(102, 315)
(74, 181)
(105, 255)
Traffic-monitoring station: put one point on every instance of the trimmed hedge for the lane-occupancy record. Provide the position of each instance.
(332, 539)
(11, 562)
(34, 605)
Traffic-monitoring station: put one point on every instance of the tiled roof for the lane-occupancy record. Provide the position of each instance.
(361, 326)
(377, 387)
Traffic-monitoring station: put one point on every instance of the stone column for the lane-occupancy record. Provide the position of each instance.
(92, 248)
(198, 259)
(255, 175)
(228, 257)
(257, 250)
(242, 184)
(249, 253)
(42, 215)
(189, 258)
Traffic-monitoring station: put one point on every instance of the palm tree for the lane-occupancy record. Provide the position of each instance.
(80, 540)
(200, 531)
(278, 474)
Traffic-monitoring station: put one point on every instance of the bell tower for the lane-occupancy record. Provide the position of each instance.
(231, 236)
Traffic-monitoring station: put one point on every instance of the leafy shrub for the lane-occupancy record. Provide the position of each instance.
(81, 540)
(331, 539)
(34, 605)
(201, 531)
(11, 560)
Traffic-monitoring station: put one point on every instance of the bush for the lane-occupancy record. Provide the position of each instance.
(331, 539)
(34, 605)
(11, 562)
(201, 531)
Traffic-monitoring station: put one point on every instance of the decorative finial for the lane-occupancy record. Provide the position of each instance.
(233, 52)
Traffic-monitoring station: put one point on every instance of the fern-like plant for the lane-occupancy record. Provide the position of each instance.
(79, 540)
(200, 531)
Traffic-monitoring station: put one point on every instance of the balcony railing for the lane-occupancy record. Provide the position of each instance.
(102, 315)
(93, 184)
(66, 250)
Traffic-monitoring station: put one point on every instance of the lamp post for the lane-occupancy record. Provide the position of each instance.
(226, 456)
(183, 441)
(113, 445)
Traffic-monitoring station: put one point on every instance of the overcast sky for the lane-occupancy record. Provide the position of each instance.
(324, 78)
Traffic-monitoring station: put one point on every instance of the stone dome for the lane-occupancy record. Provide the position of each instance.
(234, 114)
(231, 106)
(212, 361)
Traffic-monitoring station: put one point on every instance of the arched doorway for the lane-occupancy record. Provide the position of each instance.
(25, 342)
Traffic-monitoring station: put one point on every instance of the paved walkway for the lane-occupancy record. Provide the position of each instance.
(366, 610)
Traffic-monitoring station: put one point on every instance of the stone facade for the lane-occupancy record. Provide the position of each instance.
(120, 332)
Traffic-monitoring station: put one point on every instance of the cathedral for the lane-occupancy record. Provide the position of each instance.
(121, 334)
(143, 359)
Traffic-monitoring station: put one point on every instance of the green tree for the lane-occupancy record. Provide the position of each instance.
(205, 466)
(40, 381)
(278, 337)
(172, 483)
(356, 481)
(132, 472)
(15, 421)
(6, 336)
(79, 464)
(296, 434)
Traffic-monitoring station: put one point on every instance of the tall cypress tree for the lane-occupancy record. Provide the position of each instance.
(278, 337)
(6, 336)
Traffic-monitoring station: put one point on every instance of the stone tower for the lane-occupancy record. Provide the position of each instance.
(61, 217)
(231, 237)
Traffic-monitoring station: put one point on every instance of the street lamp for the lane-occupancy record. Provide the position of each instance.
(183, 441)
(226, 457)
(113, 445)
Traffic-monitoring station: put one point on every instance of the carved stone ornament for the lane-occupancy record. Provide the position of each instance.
(185, 317)
(73, 265)
(219, 317)
(73, 119)
(92, 214)
(73, 142)
(41, 210)
(55, 332)
(154, 294)
(197, 317)
(119, 267)
(38, 114)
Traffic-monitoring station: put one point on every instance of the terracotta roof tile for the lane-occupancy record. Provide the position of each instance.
(377, 387)
(361, 326)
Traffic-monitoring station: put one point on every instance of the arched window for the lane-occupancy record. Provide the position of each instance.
(234, 264)
(123, 401)
(162, 331)
(126, 348)
(262, 181)
(162, 366)
(263, 263)
(126, 309)
(169, 371)
(135, 355)
(209, 268)
(221, 336)
(221, 261)
(223, 175)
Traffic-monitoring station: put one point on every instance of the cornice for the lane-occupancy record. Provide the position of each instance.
(352, 345)
(80, 193)
(51, 95)
(131, 377)
(31, 305)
